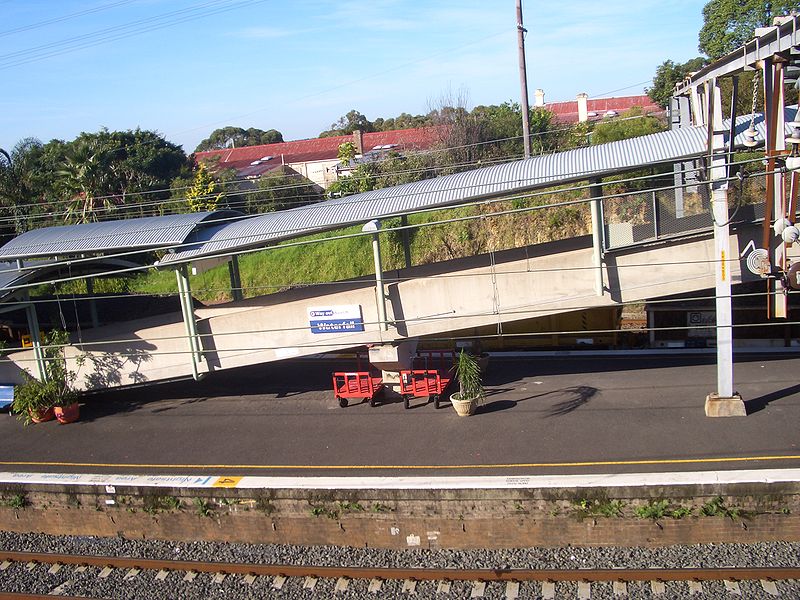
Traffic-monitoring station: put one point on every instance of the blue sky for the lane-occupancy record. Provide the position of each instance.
(185, 68)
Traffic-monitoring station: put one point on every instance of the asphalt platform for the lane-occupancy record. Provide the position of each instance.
(543, 415)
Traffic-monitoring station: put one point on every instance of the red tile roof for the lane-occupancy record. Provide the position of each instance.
(315, 149)
(567, 112)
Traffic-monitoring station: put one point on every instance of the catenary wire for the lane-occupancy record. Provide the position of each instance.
(145, 25)
(531, 194)
(342, 236)
(237, 181)
(67, 17)
(306, 242)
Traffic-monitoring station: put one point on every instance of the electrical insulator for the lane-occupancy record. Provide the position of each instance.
(780, 225)
(790, 234)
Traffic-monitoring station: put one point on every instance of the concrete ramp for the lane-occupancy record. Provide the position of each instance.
(429, 300)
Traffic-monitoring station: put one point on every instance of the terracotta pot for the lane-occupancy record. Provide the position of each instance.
(464, 408)
(42, 415)
(69, 413)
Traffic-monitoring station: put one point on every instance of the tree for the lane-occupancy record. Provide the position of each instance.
(86, 179)
(346, 153)
(402, 121)
(348, 124)
(115, 170)
(203, 194)
(361, 179)
(632, 123)
(25, 184)
(238, 137)
(728, 24)
(667, 75)
(277, 190)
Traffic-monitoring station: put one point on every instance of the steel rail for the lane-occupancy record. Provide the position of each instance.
(417, 574)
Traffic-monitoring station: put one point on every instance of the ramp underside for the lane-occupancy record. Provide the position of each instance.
(431, 300)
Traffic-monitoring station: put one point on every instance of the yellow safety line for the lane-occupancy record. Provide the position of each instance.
(668, 461)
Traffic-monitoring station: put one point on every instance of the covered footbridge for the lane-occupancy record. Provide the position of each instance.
(675, 250)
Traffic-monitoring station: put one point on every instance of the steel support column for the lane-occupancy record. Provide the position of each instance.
(596, 193)
(406, 236)
(380, 295)
(36, 339)
(92, 303)
(236, 278)
(774, 207)
(187, 309)
(725, 402)
(680, 117)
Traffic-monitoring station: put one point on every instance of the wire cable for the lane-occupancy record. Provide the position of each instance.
(279, 234)
(117, 32)
(61, 19)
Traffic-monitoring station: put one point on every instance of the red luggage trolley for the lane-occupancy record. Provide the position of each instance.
(357, 384)
(431, 379)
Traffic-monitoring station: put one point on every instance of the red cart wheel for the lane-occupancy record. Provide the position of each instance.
(436, 402)
(406, 401)
(343, 402)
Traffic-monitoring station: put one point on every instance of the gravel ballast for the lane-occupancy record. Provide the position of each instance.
(37, 579)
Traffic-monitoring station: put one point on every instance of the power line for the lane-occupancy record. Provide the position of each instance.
(355, 199)
(63, 18)
(117, 32)
(246, 192)
(427, 58)
(450, 339)
(278, 234)
(627, 87)
(413, 153)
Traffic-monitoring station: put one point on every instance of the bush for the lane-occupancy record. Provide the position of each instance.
(35, 396)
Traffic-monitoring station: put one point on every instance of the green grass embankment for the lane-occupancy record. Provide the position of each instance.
(334, 257)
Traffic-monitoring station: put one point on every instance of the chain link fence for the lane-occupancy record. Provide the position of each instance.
(650, 215)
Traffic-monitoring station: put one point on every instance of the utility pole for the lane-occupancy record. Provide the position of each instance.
(523, 81)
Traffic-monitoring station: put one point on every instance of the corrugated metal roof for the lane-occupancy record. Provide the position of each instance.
(518, 176)
(239, 233)
(12, 277)
(9, 275)
(140, 233)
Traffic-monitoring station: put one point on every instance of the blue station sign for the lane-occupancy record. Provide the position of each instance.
(342, 318)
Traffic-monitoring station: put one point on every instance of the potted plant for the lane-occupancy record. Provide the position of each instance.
(36, 401)
(470, 392)
(32, 401)
(60, 379)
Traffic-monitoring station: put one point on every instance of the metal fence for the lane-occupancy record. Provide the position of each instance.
(650, 215)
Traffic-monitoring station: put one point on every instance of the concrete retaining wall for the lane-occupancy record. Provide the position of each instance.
(410, 518)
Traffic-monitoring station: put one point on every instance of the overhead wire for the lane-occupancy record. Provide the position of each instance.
(407, 153)
(476, 202)
(177, 200)
(525, 310)
(283, 234)
(252, 191)
(117, 32)
(63, 18)
(320, 346)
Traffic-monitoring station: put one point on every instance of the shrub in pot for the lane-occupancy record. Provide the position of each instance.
(35, 400)
(470, 392)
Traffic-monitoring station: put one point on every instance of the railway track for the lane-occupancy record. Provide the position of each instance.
(64, 572)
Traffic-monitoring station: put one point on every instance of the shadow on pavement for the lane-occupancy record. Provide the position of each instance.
(756, 404)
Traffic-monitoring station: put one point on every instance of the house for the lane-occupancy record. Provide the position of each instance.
(583, 109)
(317, 159)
